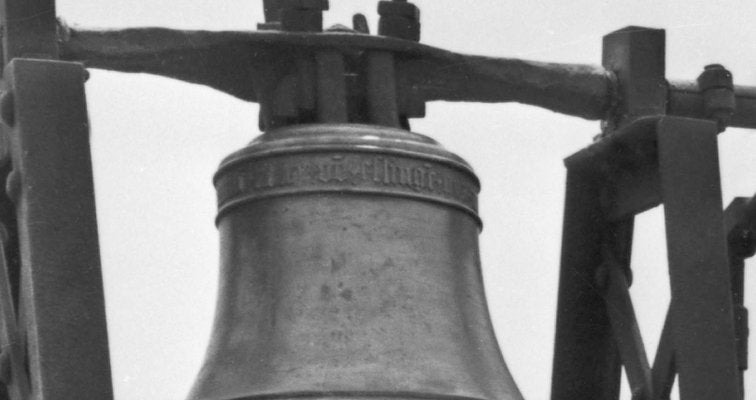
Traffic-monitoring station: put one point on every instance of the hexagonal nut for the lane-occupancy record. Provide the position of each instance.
(395, 8)
(321, 5)
(715, 76)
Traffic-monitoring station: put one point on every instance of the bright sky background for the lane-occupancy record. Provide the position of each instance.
(157, 142)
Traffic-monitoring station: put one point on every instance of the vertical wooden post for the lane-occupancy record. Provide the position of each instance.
(701, 309)
(586, 361)
(61, 302)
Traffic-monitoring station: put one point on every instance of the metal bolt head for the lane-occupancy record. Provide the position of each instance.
(715, 83)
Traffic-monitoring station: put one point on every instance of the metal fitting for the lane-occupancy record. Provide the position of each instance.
(302, 15)
(716, 86)
(715, 76)
(399, 19)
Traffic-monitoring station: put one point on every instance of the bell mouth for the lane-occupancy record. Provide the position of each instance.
(346, 159)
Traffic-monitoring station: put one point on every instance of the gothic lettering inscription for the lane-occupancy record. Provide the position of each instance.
(334, 172)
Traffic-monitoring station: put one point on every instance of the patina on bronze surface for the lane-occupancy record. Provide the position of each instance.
(350, 269)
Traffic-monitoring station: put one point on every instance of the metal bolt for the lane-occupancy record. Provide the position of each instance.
(715, 83)
(399, 19)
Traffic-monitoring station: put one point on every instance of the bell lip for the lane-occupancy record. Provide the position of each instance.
(307, 138)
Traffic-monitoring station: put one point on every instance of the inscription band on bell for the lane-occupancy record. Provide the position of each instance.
(374, 172)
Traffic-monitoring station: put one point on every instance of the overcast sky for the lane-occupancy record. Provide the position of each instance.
(157, 142)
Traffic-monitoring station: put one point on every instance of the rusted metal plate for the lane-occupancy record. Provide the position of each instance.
(701, 308)
(62, 300)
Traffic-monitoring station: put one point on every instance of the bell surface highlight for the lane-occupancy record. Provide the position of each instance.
(350, 270)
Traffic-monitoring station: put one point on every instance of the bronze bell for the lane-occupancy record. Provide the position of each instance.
(350, 269)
